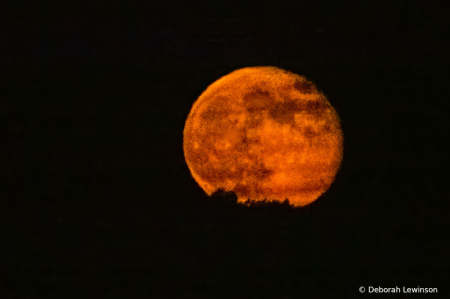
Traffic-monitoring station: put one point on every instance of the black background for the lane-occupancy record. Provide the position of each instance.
(96, 199)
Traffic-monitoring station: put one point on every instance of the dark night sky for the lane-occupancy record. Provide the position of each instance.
(96, 199)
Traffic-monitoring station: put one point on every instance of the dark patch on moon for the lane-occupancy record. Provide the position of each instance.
(210, 137)
(254, 121)
(283, 113)
(316, 107)
(304, 86)
(214, 174)
(309, 133)
(316, 187)
(257, 100)
(216, 110)
(200, 157)
(218, 173)
(261, 172)
(245, 142)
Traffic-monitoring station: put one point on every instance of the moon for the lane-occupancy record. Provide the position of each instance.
(264, 133)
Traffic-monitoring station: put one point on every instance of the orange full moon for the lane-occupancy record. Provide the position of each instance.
(264, 133)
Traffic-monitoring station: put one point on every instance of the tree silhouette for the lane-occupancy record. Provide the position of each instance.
(222, 196)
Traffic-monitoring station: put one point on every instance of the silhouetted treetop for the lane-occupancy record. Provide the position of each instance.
(224, 196)
(269, 204)
(229, 197)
